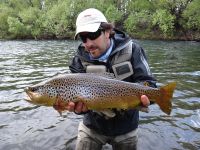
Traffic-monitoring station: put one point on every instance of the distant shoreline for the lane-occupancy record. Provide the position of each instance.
(144, 37)
(155, 35)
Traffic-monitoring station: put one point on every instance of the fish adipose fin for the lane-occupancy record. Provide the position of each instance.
(164, 100)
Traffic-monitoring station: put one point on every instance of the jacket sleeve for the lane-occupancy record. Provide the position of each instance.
(141, 67)
(76, 65)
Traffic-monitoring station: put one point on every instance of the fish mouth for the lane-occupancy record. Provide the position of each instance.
(28, 92)
(30, 96)
(38, 99)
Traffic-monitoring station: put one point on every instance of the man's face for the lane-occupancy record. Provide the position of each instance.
(97, 44)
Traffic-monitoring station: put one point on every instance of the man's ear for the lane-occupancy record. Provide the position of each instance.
(107, 33)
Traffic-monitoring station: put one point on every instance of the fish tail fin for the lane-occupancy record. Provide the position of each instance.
(164, 101)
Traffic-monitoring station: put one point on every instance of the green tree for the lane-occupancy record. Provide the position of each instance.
(17, 28)
(137, 22)
(29, 17)
(164, 20)
(140, 5)
(191, 16)
(56, 20)
(140, 18)
(17, 5)
(4, 13)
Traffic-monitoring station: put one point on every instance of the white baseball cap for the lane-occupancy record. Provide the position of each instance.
(89, 20)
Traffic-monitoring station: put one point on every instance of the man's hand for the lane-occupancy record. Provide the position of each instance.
(78, 107)
(145, 103)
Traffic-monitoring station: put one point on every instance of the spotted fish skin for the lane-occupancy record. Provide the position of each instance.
(98, 92)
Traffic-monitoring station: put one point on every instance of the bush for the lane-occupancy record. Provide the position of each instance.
(137, 21)
(17, 28)
(4, 13)
(191, 16)
(164, 20)
(113, 14)
(29, 18)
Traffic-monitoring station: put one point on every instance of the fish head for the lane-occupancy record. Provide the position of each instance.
(44, 95)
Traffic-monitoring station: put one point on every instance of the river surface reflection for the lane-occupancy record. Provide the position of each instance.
(29, 127)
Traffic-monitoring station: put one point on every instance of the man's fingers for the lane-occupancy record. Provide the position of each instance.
(145, 101)
(70, 106)
(78, 107)
(84, 109)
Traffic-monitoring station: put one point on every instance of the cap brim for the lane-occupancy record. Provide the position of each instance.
(87, 28)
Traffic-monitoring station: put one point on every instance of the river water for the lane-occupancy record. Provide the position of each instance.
(29, 127)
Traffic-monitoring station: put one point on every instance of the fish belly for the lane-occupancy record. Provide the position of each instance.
(125, 102)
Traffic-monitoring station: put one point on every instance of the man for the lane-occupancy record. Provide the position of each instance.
(106, 49)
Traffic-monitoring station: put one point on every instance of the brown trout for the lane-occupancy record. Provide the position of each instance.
(97, 92)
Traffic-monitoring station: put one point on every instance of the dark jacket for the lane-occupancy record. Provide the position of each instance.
(127, 120)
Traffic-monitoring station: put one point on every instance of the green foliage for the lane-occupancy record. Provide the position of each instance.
(4, 13)
(140, 5)
(29, 18)
(56, 18)
(18, 5)
(113, 14)
(137, 21)
(17, 28)
(164, 20)
(29, 15)
(191, 16)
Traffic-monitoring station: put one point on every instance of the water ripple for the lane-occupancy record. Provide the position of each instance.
(26, 126)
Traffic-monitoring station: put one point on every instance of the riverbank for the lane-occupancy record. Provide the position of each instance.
(178, 36)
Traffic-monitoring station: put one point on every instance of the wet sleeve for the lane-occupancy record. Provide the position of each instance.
(141, 69)
(76, 65)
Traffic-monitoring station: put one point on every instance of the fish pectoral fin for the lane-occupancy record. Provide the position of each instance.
(60, 105)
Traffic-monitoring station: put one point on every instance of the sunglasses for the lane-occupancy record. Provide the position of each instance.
(90, 35)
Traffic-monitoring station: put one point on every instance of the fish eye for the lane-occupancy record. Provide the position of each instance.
(33, 89)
